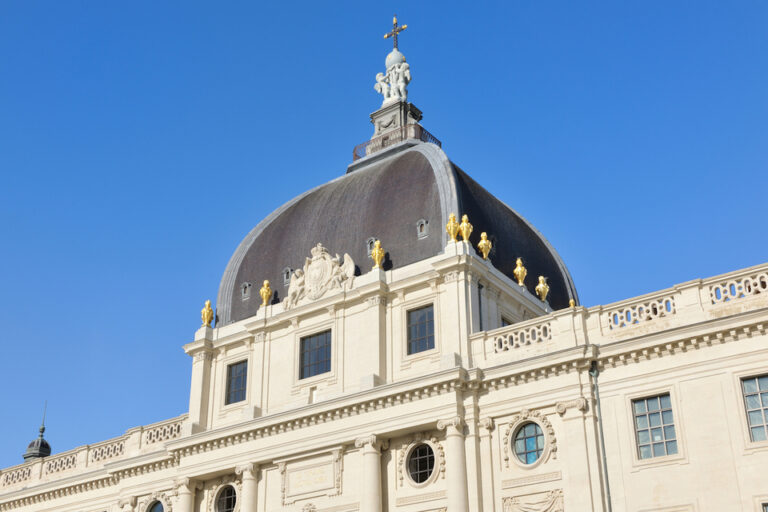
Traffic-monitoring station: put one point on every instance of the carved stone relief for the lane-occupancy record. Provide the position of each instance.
(306, 478)
(215, 487)
(551, 501)
(164, 497)
(321, 273)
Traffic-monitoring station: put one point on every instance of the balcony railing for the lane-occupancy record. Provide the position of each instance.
(409, 131)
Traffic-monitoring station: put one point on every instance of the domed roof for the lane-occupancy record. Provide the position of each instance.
(394, 57)
(38, 448)
(385, 199)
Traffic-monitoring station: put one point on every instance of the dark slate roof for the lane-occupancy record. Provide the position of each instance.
(385, 199)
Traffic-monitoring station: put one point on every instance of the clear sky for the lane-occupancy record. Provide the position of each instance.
(140, 141)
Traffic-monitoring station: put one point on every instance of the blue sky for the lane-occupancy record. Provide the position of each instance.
(140, 141)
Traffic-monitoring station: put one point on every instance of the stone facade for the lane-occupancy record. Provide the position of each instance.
(342, 440)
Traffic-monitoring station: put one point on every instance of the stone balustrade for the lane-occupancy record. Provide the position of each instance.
(135, 441)
(687, 303)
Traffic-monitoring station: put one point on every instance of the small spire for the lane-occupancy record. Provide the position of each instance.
(42, 425)
(39, 448)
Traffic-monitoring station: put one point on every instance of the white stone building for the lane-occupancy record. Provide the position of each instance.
(436, 382)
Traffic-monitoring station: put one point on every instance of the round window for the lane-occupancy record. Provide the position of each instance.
(529, 443)
(421, 463)
(155, 507)
(226, 500)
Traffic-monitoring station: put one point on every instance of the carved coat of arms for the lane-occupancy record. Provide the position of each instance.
(321, 273)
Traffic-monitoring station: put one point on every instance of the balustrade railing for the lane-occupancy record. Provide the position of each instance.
(409, 131)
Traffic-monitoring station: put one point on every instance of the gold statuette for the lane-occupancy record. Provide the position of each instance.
(520, 272)
(207, 314)
(572, 303)
(265, 293)
(452, 227)
(484, 245)
(377, 254)
(465, 228)
(542, 289)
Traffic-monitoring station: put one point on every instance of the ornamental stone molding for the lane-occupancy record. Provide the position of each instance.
(243, 470)
(580, 404)
(550, 441)
(372, 440)
(551, 501)
(486, 424)
(456, 422)
(376, 300)
(325, 476)
(127, 504)
(404, 452)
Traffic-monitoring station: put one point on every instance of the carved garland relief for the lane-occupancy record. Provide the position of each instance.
(404, 452)
(551, 501)
(550, 441)
(216, 487)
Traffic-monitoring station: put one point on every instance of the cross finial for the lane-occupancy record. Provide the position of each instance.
(395, 30)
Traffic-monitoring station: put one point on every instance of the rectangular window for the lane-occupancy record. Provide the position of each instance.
(236, 378)
(315, 355)
(480, 303)
(421, 330)
(654, 427)
(505, 322)
(755, 391)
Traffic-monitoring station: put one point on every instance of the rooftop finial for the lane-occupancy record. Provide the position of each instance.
(39, 447)
(395, 30)
(42, 425)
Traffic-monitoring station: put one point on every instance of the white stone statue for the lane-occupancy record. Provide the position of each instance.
(393, 84)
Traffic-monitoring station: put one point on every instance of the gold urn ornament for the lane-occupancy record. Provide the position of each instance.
(265, 293)
(377, 254)
(572, 303)
(484, 245)
(542, 289)
(465, 228)
(520, 272)
(207, 314)
(452, 228)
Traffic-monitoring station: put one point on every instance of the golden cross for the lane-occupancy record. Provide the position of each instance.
(395, 30)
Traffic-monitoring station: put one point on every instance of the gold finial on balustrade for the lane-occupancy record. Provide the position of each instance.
(266, 293)
(465, 228)
(377, 254)
(572, 303)
(484, 245)
(452, 228)
(520, 272)
(207, 314)
(542, 289)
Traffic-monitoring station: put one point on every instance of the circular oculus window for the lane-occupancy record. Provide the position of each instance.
(528, 443)
(226, 500)
(421, 463)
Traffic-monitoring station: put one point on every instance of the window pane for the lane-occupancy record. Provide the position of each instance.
(642, 421)
(763, 383)
(755, 417)
(653, 404)
(758, 433)
(666, 403)
(643, 437)
(671, 447)
(656, 434)
(639, 406)
(669, 432)
(750, 385)
(655, 419)
(236, 382)
(666, 417)
(753, 401)
(764, 397)
(421, 330)
(658, 450)
(645, 452)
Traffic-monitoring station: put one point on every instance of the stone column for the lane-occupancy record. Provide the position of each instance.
(371, 496)
(486, 464)
(456, 464)
(250, 479)
(185, 495)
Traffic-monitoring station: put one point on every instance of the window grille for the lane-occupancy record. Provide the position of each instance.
(654, 427)
(421, 330)
(421, 463)
(315, 355)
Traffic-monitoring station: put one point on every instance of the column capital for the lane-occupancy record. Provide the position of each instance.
(451, 425)
(187, 485)
(247, 471)
(371, 440)
(486, 424)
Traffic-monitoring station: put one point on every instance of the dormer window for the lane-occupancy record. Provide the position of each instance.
(245, 291)
(369, 245)
(422, 229)
(287, 271)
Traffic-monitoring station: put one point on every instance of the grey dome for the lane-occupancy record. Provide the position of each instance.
(394, 57)
(385, 200)
(38, 448)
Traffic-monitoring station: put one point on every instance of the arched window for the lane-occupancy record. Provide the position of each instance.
(529, 442)
(421, 463)
(226, 500)
(155, 507)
